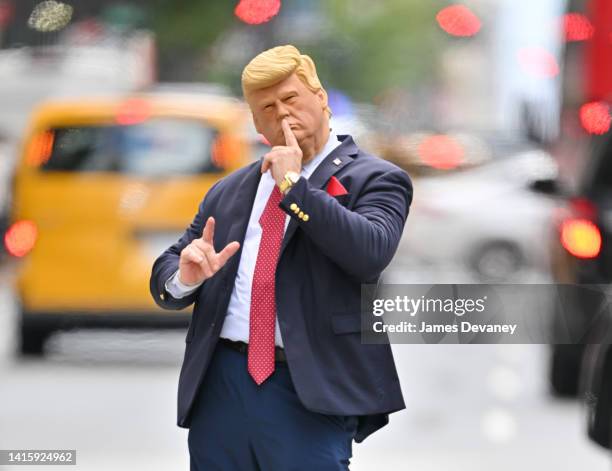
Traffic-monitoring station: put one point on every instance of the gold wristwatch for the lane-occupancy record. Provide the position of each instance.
(290, 179)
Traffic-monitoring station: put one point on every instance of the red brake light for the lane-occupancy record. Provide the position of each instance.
(578, 232)
(20, 238)
(581, 237)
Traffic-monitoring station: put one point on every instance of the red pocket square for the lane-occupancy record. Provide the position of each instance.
(335, 188)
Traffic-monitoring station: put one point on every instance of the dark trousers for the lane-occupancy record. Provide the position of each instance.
(237, 425)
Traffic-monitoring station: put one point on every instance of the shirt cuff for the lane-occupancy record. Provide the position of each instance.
(177, 289)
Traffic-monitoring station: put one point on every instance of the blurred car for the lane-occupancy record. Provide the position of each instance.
(581, 254)
(487, 219)
(102, 186)
(428, 153)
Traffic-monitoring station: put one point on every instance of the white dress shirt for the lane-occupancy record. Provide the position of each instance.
(236, 323)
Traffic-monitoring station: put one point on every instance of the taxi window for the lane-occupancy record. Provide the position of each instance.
(156, 147)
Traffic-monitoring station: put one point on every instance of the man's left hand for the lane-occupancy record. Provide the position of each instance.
(283, 159)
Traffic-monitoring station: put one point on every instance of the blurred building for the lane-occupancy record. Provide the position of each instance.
(491, 80)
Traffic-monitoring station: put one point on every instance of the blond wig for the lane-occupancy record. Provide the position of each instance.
(275, 65)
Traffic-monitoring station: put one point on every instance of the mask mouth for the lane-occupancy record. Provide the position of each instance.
(293, 127)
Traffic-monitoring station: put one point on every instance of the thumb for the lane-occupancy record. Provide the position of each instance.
(265, 165)
(229, 250)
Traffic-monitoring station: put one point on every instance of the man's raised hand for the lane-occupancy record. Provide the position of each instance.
(199, 261)
(283, 159)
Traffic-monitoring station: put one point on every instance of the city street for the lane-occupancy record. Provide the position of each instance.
(117, 117)
(111, 396)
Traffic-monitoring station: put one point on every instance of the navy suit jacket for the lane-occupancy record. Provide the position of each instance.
(346, 241)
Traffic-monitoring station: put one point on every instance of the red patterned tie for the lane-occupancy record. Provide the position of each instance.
(263, 304)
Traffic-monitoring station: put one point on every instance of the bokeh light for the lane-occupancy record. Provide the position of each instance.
(581, 238)
(50, 16)
(458, 20)
(441, 152)
(538, 62)
(255, 12)
(133, 111)
(577, 27)
(20, 238)
(595, 117)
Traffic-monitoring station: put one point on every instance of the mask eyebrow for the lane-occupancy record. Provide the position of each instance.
(283, 96)
(288, 94)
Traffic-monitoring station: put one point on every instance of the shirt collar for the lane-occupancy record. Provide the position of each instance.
(331, 144)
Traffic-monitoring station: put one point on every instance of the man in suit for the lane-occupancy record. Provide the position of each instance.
(275, 376)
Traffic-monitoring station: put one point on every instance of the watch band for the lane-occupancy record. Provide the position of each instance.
(289, 180)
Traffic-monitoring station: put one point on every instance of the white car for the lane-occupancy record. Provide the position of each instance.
(486, 219)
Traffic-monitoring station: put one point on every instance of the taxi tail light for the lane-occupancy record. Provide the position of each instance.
(578, 231)
(20, 238)
(224, 149)
(40, 148)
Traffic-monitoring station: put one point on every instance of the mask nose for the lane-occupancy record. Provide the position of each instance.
(282, 110)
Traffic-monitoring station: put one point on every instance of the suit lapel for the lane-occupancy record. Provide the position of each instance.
(240, 208)
(334, 162)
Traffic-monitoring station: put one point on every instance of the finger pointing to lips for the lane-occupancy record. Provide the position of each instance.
(290, 139)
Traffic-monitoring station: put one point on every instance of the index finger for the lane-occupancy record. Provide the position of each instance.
(209, 230)
(290, 138)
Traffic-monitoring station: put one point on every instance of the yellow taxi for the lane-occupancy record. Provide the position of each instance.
(102, 186)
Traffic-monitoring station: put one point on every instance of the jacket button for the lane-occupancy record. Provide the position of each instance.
(293, 206)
